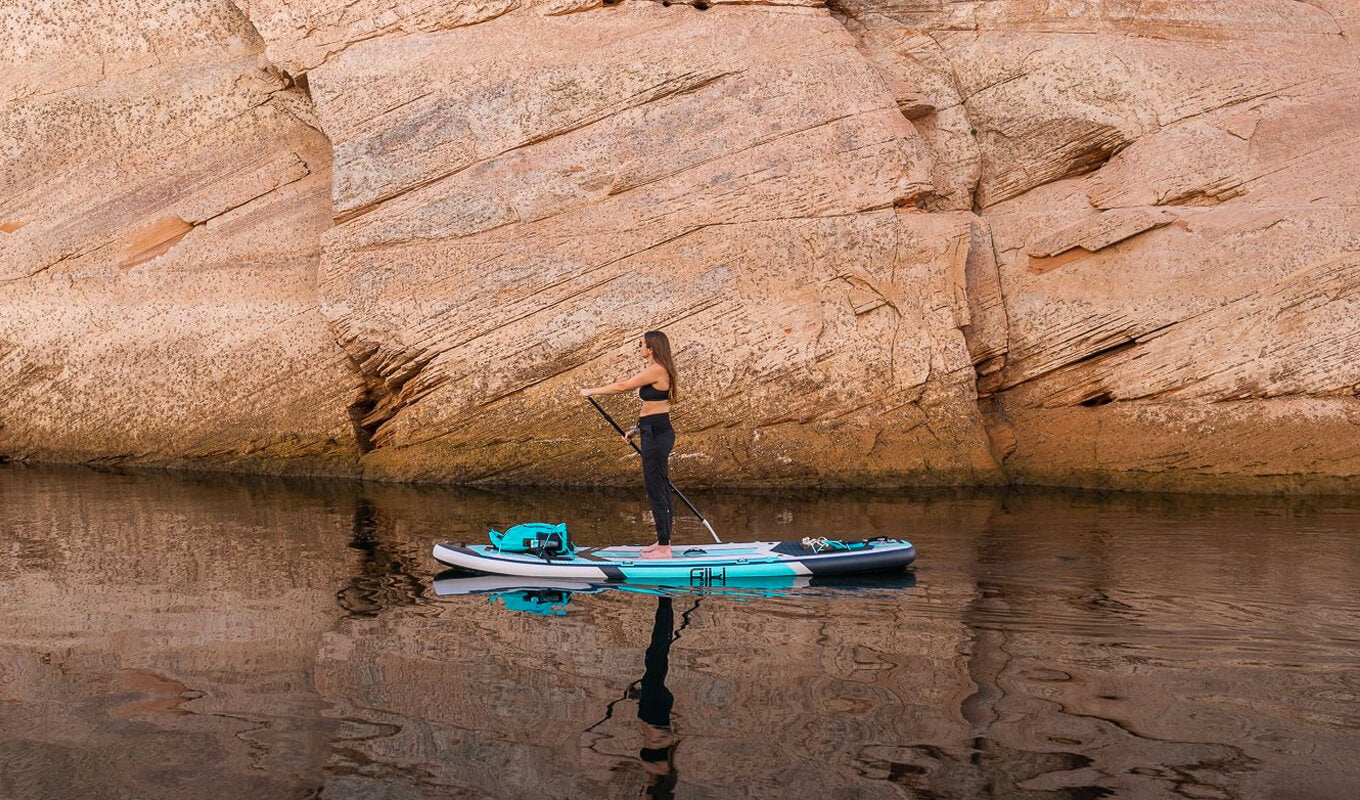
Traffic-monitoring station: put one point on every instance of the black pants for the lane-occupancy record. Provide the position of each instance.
(658, 437)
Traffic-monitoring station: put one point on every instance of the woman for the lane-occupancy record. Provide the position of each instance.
(656, 385)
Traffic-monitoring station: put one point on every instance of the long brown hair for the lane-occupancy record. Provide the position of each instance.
(661, 351)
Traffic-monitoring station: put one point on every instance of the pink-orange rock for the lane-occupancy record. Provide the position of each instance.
(158, 299)
(304, 35)
(1182, 352)
(501, 244)
(896, 242)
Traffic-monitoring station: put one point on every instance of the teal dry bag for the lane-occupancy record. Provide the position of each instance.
(533, 537)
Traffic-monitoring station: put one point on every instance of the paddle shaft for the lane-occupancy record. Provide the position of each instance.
(632, 444)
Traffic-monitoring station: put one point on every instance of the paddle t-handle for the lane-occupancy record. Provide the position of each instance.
(678, 493)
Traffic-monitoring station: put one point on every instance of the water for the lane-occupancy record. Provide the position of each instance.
(220, 637)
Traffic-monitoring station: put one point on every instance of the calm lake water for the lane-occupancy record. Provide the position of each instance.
(223, 637)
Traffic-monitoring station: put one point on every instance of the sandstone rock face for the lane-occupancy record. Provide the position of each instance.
(163, 199)
(1170, 191)
(900, 242)
(487, 264)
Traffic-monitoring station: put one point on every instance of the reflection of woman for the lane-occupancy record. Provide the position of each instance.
(656, 385)
(654, 707)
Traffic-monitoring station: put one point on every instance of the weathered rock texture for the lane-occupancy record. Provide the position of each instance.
(1171, 193)
(1102, 243)
(164, 198)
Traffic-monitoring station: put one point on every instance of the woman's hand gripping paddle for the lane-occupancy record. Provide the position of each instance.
(633, 444)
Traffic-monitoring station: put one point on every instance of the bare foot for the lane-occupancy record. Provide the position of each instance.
(657, 551)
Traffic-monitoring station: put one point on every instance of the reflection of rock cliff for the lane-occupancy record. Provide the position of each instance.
(158, 635)
(897, 242)
(167, 638)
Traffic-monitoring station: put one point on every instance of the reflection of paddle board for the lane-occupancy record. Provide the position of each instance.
(455, 582)
(549, 597)
(706, 565)
(461, 582)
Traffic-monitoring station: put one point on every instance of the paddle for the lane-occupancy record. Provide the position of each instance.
(683, 499)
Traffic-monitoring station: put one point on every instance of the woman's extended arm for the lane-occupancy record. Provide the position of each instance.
(650, 375)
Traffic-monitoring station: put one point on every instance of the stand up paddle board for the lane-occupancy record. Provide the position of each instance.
(692, 565)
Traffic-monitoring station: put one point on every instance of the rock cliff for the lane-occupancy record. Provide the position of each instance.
(896, 242)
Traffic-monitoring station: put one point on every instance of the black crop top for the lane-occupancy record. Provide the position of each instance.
(651, 394)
